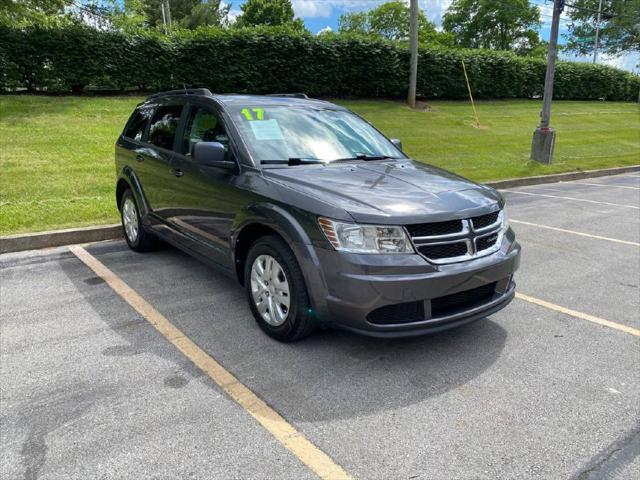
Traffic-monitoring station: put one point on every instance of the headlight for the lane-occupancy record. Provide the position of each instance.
(351, 237)
(505, 219)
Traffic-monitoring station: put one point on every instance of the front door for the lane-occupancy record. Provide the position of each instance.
(206, 198)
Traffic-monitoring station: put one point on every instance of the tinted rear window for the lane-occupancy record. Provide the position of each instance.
(164, 125)
(138, 124)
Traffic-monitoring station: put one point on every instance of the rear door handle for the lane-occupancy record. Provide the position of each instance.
(139, 158)
(177, 172)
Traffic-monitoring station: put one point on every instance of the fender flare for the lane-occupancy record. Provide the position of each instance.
(129, 176)
(287, 226)
(272, 216)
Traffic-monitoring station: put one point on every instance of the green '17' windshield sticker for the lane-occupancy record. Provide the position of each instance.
(259, 113)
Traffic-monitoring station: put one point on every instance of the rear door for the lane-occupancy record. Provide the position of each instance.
(155, 156)
(206, 198)
(131, 144)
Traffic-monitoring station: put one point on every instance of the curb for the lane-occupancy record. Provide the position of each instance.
(57, 238)
(561, 177)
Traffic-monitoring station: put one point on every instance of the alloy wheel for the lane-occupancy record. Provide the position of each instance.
(130, 219)
(270, 290)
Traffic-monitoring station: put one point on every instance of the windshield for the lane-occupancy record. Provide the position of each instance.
(281, 133)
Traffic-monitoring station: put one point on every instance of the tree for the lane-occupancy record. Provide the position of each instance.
(208, 12)
(127, 15)
(31, 10)
(537, 49)
(503, 24)
(354, 22)
(187, 13)
(391, 21)
(619, 26)
(43, 6)
(268, 13)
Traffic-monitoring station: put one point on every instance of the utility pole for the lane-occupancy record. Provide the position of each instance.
(544, 137)
(168, 9)
(413, 67)
(595, 45)
(166, 14)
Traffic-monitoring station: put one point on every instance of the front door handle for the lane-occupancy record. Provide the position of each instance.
(139, 158)
(177, 172)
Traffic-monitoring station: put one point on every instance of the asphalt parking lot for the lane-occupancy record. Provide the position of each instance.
(90, 389)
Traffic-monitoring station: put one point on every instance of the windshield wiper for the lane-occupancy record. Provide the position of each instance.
(366, 157)
(293, 161)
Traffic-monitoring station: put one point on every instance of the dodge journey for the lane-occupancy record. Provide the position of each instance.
(320, 217)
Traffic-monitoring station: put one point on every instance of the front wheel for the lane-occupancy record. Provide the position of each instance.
(136, 236)
(276, 290)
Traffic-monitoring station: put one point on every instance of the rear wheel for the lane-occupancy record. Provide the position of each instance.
(276, 291)
(136, 236)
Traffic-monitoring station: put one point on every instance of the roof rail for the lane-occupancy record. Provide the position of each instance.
(183, 91)
(290, 95)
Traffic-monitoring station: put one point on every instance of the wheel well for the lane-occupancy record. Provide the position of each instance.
(247, 237)
(120, 189)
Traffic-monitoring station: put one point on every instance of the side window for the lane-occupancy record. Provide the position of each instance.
(164, 125)
(202, 126)
(137, 124)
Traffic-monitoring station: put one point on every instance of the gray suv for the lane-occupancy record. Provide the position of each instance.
(322, 219)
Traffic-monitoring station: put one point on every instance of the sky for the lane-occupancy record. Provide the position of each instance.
(324, 14)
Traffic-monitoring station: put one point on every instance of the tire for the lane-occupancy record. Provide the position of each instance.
(134, 232)
(286, 325)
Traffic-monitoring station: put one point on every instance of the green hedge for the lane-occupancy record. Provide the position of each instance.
(74, 58)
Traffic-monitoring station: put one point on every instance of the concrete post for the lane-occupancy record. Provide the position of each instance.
(544, 137)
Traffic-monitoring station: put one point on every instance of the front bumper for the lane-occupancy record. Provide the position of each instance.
(346, 288)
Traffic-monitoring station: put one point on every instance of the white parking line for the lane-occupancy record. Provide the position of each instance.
(573, 199)
(573, 232)
(580, 315)
(606, 185)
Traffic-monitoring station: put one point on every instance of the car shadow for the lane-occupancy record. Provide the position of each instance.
(331, 375)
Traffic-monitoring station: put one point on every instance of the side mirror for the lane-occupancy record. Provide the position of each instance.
(212, 154)
(397, 143)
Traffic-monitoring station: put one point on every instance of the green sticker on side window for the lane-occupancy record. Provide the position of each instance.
(259, 113)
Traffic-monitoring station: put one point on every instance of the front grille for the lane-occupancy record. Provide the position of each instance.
(485, 220)
(457, 302)
(457, 240)
(433, 229)
(486, 242)
(397, 313)
(445, 250)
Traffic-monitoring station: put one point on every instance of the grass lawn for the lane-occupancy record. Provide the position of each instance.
(56, 153)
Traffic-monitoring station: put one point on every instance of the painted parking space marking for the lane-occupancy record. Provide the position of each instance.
(605, 185)
(573, 232)
(573, 199)
(310, 455)
(580, 315)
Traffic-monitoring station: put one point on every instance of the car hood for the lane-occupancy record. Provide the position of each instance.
(398, 191)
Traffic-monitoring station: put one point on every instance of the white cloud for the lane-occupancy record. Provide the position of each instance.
(434, 9)
(233, 15)
(312, 8)
(630, 61)
(326, 29)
